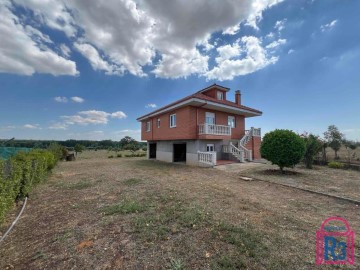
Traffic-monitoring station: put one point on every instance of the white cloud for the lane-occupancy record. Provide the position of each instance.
(26, 51)
(328, 26)
(58, 126)
(270, 35)
(96, 61)
(125, 36)
(280, 25)
(276, 44)
(232, 30)
(61, 99)
(77, 99)
(118, 115)
(93, 117)
(178, 63)
(65, 50)
(257, 7)
(151, 105)
(32, 126)
(291, 51)
(230, 65)
(53, 13)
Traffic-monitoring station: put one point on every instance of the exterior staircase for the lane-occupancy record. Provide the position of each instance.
(241, 153)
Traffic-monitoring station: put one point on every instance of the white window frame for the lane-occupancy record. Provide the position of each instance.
(148, 126)
(158, 123)
(209, 146)
(220, 95)
(173, 120)
(234, 121)
(209, 115)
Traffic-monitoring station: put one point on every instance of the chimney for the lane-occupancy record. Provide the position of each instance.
(238, 97)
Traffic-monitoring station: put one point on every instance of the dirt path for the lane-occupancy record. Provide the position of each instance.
(65, 225)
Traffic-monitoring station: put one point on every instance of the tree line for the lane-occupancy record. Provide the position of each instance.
(285, 148)
(86, 144)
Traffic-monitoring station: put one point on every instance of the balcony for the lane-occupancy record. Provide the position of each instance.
(217, 130)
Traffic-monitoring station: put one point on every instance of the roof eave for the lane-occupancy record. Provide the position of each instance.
(205, 104)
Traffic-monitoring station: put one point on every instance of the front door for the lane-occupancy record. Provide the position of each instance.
(152, 150)
(179, 152)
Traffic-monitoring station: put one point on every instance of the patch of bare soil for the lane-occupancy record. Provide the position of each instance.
(131, 213)
(278, 172)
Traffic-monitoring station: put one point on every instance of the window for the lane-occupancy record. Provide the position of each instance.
(220, 95)
(231, 121)
(173, 120)
(210, 148)
(148, 126)
(158, 122)
(210, 118)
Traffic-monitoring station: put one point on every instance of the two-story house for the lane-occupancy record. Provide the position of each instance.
(201, 129)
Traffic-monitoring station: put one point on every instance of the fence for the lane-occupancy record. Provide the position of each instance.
(7, 152)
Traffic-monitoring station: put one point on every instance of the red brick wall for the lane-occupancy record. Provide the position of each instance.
(221, 118)
(187, 121)
(254, 145)
(184, 126)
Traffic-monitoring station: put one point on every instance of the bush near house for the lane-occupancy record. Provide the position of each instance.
(335, 165)
(20, 173)
(283, 148)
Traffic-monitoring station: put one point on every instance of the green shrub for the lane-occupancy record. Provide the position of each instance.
(111, 156)
(119, 155)
(283, 148)
(20, 173)
(335, 165)
(312, 148)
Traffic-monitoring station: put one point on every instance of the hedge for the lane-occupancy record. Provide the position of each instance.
(20, 173)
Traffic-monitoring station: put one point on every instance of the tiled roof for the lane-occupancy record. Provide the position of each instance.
(205, 98)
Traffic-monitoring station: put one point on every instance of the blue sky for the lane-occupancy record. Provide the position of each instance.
(87, 70)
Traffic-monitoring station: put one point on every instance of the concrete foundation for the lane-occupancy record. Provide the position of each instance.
(164, 149)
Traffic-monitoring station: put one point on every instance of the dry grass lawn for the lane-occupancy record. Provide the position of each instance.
(132, 213)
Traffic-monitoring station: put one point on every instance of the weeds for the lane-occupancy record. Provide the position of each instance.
(177, 264)
(132, 181)
(125, 207)
(75, 186)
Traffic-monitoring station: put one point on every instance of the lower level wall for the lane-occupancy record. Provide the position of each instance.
(164, 149)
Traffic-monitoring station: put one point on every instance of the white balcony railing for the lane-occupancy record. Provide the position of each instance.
(207, 158)
(211, 129)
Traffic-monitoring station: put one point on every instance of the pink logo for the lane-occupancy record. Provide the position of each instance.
(335, 244)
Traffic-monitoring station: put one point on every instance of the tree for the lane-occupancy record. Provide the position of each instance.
(350, 147)
(283, 148)
(313, 146)
(125, 141)
(334, 138)
(133, 146)
(78, 148)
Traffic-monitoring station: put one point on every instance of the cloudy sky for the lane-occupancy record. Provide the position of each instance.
(86, 69)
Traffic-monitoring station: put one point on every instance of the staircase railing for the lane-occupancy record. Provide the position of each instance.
(208, 158)
(232, 149)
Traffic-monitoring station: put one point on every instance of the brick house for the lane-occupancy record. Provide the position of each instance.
(201, 129)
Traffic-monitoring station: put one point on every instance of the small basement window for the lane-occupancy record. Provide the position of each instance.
(173, 120)
(148, 126)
